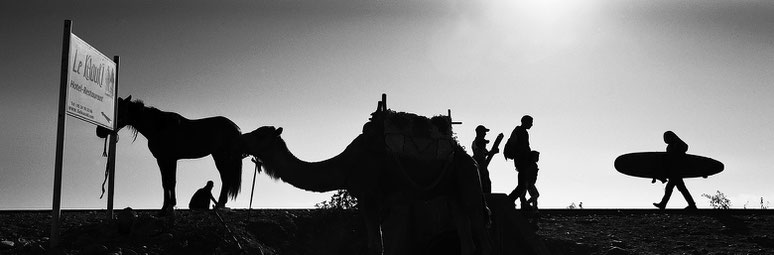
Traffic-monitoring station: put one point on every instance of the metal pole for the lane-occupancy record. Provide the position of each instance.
(112, 145)
(384, 101)
(60, 135)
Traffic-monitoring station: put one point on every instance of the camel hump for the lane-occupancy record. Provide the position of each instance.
(418, 137)
(420, 148)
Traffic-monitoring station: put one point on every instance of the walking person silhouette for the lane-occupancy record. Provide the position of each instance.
(675, 149)
(524, 159)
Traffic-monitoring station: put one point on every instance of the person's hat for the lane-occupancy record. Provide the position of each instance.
(481, 128)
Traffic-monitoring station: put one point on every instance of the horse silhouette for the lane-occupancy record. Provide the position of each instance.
(172, 137)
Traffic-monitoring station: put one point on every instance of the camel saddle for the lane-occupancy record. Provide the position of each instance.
(423, 148)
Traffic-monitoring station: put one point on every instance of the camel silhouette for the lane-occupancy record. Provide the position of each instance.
(414, 183)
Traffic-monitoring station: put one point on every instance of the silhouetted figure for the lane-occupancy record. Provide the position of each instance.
(675, 149)
(201, 199)
(531, 188)
(413, 182)
(480, 154)
(523, 159)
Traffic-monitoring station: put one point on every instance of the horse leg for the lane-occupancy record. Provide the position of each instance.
(168, 169)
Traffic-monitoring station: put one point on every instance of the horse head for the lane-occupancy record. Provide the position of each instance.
(260, 141)
(121, 119)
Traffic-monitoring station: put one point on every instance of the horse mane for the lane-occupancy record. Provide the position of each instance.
(131, 128)
(145, 109)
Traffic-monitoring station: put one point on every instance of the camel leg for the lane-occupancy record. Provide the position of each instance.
(168, 168)
(371, 217)
(472, 202)
(395, 231)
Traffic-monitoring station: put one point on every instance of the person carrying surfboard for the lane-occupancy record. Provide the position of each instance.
(480, 154)
(517, 148)
(675, 149)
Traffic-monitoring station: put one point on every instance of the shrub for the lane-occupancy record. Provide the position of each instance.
(340, 200)
(718, 201)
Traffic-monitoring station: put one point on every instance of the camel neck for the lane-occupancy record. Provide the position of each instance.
(322, 176)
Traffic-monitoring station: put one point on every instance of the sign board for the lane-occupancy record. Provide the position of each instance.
(91, 82)
(88, 88)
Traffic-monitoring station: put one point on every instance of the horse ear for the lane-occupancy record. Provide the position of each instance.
(128, 99)
(279, 131)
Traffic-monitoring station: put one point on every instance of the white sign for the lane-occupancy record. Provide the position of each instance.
(91, 84)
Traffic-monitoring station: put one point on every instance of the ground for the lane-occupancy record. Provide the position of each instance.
(342, 232)
(659, 232)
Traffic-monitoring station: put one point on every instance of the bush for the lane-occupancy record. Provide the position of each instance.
(718, 201)
(340, 200)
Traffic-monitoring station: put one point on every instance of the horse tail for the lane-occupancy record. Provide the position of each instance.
(233, 178)
(229, 164)
(231, 158)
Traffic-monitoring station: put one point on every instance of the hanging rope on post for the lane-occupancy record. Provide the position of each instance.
(104, 149)
(107, 164)
(252, 190)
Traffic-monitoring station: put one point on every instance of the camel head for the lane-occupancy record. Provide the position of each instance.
(261, 141)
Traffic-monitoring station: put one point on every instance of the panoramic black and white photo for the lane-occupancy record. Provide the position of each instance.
(387, 127)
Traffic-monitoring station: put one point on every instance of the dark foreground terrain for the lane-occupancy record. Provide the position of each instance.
(342, 232)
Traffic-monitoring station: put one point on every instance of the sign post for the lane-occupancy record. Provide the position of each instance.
(88, 91)
(60, 128)
(112, 147)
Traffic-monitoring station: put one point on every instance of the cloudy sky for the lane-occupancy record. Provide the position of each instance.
(601, 78)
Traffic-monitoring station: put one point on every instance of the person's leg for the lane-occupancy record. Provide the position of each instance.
(533, 196)
(667, 194)
(515, 193)
(522, 192)
(486, 183)
(533, 193)
(687, 195)
(520, 189)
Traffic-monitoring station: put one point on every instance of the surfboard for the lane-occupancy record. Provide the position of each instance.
(496, 144)
(657, 164)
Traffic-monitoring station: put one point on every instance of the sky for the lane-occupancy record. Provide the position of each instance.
(600, 77)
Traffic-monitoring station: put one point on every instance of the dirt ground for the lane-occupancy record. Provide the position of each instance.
(658, 232)
(342, 232)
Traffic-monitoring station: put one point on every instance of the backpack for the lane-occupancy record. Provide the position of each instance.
(509, 151)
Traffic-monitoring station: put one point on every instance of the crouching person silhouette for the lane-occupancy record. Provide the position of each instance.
(675, 149)
(201, 199)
